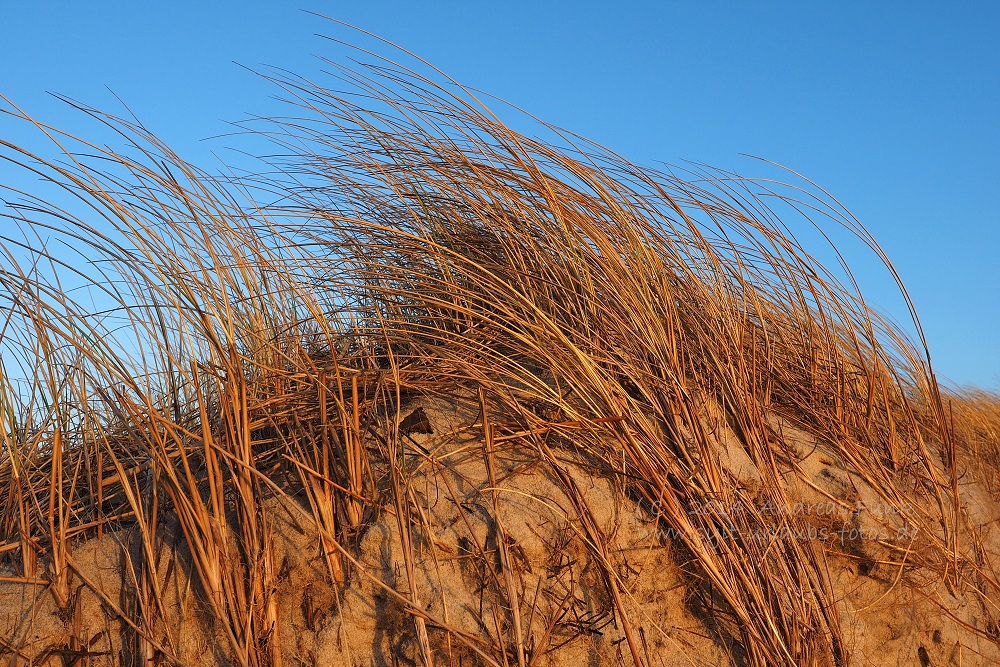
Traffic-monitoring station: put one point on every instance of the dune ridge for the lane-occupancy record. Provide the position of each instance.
(426, 390)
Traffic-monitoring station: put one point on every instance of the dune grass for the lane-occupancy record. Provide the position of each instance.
(261, 334)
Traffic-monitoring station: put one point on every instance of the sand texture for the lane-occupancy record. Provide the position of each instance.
(889, 615)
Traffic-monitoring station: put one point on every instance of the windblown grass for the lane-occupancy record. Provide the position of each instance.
(253, 353)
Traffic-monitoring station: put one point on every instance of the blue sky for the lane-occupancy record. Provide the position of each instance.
(893, 107)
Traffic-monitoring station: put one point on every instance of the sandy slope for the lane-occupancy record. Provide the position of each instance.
(889, 615)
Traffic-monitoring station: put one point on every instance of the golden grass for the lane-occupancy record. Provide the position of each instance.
(418, 246)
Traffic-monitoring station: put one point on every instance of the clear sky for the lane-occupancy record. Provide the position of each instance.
(893, 107)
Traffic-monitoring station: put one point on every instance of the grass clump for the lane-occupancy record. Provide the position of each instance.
(261, 338)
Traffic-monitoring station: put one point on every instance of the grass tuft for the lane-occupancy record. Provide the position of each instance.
(249, 356)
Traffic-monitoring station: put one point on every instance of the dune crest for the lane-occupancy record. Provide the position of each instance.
(425, 390)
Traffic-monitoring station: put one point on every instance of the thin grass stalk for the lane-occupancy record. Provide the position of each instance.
(513, 605)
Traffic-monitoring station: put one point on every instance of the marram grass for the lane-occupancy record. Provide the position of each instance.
(259, 336)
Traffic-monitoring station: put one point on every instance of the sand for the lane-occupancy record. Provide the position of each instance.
(889, 615)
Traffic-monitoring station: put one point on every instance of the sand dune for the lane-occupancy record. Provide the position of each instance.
(435, 392)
